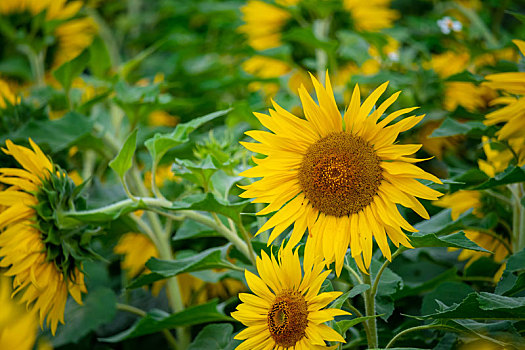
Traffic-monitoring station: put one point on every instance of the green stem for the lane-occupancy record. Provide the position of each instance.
(414, 329)
(518, 236)
(498, 196)
(247, 239)
(139, 312)
(218, 226)
(373, 291)
(36, 60)
(321, 28)
(354, 273)
(370, 310)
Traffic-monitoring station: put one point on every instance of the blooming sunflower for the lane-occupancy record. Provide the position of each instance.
(6, 95)
(340, 177)
(513, 113)
(31, 248)
(73, 34)
(285, 310)
(264, 22)
(18, 327)
(371, 15)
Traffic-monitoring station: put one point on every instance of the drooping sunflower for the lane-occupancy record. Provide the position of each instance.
(32, 249)
(512, 115)
(18, 326)
(73, 33)
(286, 310)
(341, 177)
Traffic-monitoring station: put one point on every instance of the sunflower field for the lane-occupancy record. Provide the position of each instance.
(262, 174)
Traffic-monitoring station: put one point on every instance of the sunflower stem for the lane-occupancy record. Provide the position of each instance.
(414, 329)
(321, 28)
(247, 239)
(373, 291)
(370, 310)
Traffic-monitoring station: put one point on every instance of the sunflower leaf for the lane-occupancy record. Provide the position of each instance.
(345, 324)
(154, 322)
(454, 240)
(214, 258)
(215, 336)
(159, 144)
(66, 73)
(123, 161)
(451, 127)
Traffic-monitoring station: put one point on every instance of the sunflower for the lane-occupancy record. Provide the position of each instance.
(461, 201)
(6, 95)
(285, 310)
(33, 252)
(264, 22)
(73, 33)
(340, 177)
(513, 112)
(497, 159)
(371, 15)
(18, 327)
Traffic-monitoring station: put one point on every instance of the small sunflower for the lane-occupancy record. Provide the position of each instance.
(18, 327)
(371, 15)
(286, 310)
(42, 261)
(264, 22)
(512, 115)
(341, 177)
(73, 33)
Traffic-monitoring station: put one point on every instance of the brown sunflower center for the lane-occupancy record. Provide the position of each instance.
(340, 174)
(288, 318)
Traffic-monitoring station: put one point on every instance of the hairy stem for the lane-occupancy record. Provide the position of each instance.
(370, 310)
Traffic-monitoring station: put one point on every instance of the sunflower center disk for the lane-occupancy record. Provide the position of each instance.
(288, 318)
(340, 174)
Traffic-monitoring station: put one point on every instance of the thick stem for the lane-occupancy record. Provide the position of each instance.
(370, 310)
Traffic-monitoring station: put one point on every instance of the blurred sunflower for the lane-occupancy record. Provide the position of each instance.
(286, 310)
(461, 201)
(341, 177)
(371, 15)
(497, 159)
(18, 327)
(32, 248)
(6, 95)
(264, 22)
(72, 33)
(512, 115)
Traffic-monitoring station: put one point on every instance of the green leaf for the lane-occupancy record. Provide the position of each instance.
(511, 175)
(454, 240)
(448, 293)
(99, 308)
(305, 36)
(66, 73)
(215, 336)
(483, 306)
(100, 61)
(518, 16)
(107, 215)
(191, 229)
(345, 324)
(155, 321)
(123, 161)
(466, 76)
(338, 303)
(58, 134)
(159, 144)
(214, 258)
(451, 127)
(448, 275)
(359, 289)
(513, 279)
(208, 202)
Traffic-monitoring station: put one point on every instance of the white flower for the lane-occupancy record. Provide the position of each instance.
(447, 24)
